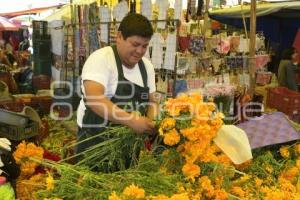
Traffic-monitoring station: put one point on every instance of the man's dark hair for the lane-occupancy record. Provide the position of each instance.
(135, 25)
(287, 53)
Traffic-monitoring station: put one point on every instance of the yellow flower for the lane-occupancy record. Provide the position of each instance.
(207, 186)
(114, 196)
(286, 185)
(275, 195)
(238, 191)
(168, 124)
(298, 163)
(50, 182)
(284, 152)
(269, 169)
(221, 195)
(258, 182)
(134, 191)
(160, 197)
(183, 196)
(171, 137)
(191, 171)
(297, 148)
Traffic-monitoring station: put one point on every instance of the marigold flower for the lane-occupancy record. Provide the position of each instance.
(297, 148)
(191, 171)
(221, 195)
(286, 185)
(206, 185)
(275, 195)
(168, 124)
(183, 196)
(134, 191)
(171, 137)
(284, 152)
(258, 182)
(160, 197)
(238, 191)
(114, 196)
(50, 182)
(298, 163)
(269, 169)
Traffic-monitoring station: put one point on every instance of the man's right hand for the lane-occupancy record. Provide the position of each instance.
(142, 125)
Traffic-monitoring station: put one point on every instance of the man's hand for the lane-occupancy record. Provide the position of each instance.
(142, 125)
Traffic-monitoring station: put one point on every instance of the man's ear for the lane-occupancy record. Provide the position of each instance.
(119, 35)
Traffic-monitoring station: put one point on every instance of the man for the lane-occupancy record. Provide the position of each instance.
(285, 59)
(117, 80)
(24, 45)
(291, 70)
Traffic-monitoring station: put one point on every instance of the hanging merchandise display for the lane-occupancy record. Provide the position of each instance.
(120, 10)
(193, 7)
(169, 61)
(146, 8)
(105, 19)
(163, 6)
(178, 9)
(157, 50)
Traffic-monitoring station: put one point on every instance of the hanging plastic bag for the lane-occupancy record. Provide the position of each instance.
(234, 143)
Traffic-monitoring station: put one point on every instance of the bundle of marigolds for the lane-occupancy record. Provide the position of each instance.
(28, 182)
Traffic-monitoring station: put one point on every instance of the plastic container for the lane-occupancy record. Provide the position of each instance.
(284, 100)
(41, 82)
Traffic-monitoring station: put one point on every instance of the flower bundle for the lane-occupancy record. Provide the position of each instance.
(22, 154)
(189, 126)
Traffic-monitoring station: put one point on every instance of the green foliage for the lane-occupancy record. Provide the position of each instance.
(75, 182)
(118, 150)
(260, 165)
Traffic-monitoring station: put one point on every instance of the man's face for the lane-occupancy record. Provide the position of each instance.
(132, 49)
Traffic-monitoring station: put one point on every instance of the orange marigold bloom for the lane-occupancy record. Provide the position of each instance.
(183, 196)
(298, 163)
(286, 185)
(171, 137)
(275, 195)
(290, 174)
(238, 191)
(297, 148)
(284, 152)
(114, 196)
(269, 169)
(258, 182)
(206, 185)
(168, 123)
(160, 197)
(134, 191)
(191, 171)
(50, 182)
(221, 195)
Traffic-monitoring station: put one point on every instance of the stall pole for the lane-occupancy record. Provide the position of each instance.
(206, 18)
(252, 61)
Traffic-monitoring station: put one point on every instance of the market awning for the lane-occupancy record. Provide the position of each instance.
(28, 12)
(282, 9)
(6, 25)
(278, 21)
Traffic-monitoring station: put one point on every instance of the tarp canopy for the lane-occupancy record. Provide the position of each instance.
(282, 9)
(29, 11)
(278, 21)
